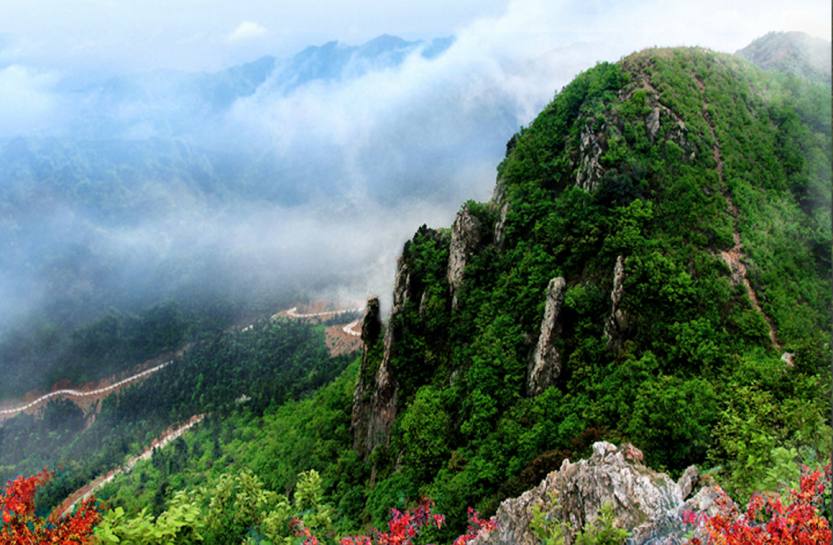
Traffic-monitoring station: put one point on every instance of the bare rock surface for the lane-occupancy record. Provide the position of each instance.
(590, 170)
(647, 503)
(546, 361)
(465, 238)
(374, 400)
(500, 201)
(617, 321)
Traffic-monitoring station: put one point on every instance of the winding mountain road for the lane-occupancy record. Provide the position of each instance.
(172, 433)
(87, 490)
(292, 313)
(350, 328)
(79, 394)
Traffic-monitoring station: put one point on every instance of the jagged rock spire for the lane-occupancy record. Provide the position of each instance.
(546, 361)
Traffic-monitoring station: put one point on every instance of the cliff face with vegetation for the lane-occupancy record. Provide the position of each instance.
(654, 267)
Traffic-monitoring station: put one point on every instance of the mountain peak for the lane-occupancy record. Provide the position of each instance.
(795, 53)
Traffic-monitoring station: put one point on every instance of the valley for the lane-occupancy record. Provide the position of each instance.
(84, 397)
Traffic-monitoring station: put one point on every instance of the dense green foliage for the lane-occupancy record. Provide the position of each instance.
(286, 440)
(229, 509)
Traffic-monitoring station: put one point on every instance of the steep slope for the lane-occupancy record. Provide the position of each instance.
(654, 266)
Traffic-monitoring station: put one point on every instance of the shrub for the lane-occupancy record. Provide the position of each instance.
(21, 526)
(770, 521)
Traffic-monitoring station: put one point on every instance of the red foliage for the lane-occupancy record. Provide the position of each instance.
(768, 521)
(20, 525)
(304, 532)
(476, 524)
(403, 527)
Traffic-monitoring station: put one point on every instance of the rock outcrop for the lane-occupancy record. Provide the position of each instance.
(374, 400)
(371, 324)
(465, 238)
(546, 361)
(501, 203)
(363, 394)
(648, 504)
(617, 320)
(688, 480)
(592, 146)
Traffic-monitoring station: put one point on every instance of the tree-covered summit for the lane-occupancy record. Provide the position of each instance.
(658, 248)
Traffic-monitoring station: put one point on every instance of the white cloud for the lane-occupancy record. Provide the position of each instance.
(247, 30)
(26, 101)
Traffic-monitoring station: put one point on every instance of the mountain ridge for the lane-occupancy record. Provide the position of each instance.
(639, 214)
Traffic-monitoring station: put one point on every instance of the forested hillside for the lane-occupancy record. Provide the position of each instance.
(654, 267)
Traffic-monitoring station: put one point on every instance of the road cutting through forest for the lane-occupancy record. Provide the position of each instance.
(175, 432)
(87, 490)
(82, 394)
(75, 394)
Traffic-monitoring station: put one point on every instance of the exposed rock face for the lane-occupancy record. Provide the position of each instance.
(383, 403)
(652, 122)
(590, 153)
(465, 238)
(401, 294)
(688, 480)
(360, 417)
(501, 202)
(647, 503)
(617, 321)
(371, 324)
(374, 400)
(546, 361)
(676, 130)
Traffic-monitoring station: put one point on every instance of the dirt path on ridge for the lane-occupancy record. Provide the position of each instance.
(734, 257)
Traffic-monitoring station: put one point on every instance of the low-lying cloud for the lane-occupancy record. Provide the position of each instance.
(247, 30)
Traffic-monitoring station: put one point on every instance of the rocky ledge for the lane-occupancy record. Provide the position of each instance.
(650, 505)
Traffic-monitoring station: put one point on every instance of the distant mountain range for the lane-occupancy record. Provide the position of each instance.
(165, 96)
(139, 159)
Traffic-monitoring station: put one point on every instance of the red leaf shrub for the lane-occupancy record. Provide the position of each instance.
(20, 525)
(769, 521)
(476, 524)
(403, 527)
